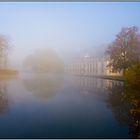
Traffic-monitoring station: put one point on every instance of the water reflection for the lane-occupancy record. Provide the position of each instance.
(124, 102)
(4, 98)
(42, 85)
(90, 86)
(83, 107)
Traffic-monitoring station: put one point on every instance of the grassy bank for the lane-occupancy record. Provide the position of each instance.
(8, 72)
(110, 77)
(119, 78)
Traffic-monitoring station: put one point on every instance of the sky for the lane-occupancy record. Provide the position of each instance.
(70, 28)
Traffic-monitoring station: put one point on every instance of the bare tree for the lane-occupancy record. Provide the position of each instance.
(4, 47)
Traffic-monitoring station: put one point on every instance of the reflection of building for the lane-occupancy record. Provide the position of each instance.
(88, 65)
(96, 87)
(95, 84)
(91, 84)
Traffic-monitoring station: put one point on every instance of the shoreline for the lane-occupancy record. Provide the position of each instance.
(109, 77)
(8, 72)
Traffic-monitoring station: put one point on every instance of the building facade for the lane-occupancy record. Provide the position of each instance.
(88, 65)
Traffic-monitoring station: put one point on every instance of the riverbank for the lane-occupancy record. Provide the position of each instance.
(8, 72)
(118, 78)
(110, 77)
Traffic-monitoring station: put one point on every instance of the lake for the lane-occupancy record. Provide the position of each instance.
(62, 106)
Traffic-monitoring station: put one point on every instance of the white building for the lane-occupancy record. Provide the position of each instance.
(88, 65)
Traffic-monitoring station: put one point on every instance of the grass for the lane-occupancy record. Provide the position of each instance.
(8, 72)
(110, 77)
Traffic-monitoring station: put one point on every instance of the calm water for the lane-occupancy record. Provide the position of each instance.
(42, 106)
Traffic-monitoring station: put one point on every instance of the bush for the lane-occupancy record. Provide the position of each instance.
(133, 75)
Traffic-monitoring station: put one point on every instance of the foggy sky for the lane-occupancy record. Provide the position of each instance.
(69, 28)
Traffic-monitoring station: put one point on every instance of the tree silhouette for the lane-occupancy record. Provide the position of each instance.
(4, 47)
(45, 60)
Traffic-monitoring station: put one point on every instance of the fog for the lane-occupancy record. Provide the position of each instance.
(55, 79)
(70, 29)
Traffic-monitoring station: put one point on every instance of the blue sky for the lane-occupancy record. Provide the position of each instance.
(69, 28)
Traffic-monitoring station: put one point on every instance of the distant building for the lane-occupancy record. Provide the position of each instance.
(88, 65)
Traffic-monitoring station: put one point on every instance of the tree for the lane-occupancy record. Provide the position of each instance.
(125, 50)
(4, 47)
(44, 60)
(133, 75)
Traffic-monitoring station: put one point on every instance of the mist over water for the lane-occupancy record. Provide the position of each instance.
(42, 99)
(71, 29)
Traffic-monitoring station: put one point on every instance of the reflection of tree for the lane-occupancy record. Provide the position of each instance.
(4, 102)
(124, 101)
(44, 87)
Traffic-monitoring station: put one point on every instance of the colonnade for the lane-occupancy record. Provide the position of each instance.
(87, 66)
